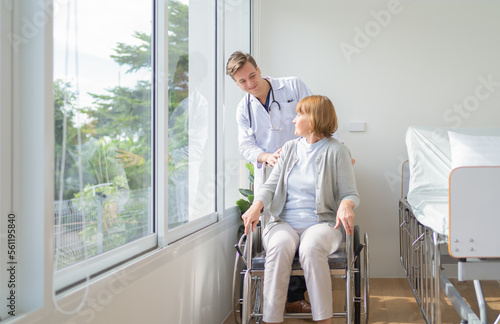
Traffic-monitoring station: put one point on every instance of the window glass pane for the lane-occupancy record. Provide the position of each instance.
(236, 38)
(103, 141)
(191, 107)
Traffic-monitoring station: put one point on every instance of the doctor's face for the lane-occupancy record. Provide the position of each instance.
(249, 79)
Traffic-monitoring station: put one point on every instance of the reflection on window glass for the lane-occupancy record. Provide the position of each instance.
(236, 38)
(102, 96)
(191, 139)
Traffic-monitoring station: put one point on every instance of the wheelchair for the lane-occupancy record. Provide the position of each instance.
(345, 263)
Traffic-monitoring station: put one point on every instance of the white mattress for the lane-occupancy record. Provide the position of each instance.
(429, 157)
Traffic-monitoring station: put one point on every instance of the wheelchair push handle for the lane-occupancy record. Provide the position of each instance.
(238, 245)
(246, 252)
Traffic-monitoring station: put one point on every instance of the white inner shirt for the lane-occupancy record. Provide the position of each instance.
(301, 197)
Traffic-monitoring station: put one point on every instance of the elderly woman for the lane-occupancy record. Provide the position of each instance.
(311, 192)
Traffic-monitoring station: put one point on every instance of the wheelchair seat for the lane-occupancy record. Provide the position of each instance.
(336, 260)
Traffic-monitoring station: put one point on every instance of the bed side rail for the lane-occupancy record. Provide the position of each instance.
(405, 178)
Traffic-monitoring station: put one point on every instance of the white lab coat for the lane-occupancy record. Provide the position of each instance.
(259, 138)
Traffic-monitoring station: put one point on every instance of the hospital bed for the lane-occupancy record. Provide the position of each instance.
(350, 263)
(449, 215)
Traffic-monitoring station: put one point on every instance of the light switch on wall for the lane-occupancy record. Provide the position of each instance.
(357, 126)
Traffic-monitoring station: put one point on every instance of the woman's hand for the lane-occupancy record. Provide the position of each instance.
(346, 216)
(252, 215)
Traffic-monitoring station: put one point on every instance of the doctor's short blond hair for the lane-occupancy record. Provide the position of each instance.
(236, 62)
(321, 114)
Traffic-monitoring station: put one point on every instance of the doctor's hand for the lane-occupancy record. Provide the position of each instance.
(129, 159)
(345, 215)
(252, 215)
(269, 158)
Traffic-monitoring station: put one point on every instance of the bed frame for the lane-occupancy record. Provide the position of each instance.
(472, 243)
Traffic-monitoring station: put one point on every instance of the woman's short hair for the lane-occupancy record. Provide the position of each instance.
(236, 61)
(321, 114)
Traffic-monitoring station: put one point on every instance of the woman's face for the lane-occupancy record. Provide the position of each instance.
(302, 125)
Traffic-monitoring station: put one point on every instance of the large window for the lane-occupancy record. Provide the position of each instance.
(236, 38)
(103, 127)
(191, 115)
(115, 141)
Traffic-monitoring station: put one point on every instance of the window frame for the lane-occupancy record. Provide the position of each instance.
(31, 71)
(169, 236)
(67, 277)
(6, 158)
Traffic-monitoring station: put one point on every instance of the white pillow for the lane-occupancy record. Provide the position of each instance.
(470, 150)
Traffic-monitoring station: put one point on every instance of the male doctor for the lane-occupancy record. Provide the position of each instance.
(265, 114)
(264, 118)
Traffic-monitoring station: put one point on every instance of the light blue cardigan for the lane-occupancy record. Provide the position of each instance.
(334, 181)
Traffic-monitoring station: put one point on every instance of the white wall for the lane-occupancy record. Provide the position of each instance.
(417, 65)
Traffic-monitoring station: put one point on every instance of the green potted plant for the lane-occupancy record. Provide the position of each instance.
(244, 203)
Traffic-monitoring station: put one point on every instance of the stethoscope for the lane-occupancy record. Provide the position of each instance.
(274, 129)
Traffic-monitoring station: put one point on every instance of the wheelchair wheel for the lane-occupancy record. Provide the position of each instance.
(253, 300)
(366, 274)
(237, 288)
(357, 279)
(361, 279)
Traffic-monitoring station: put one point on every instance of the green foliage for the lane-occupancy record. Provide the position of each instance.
(65, 111)
(245, 192)
(64, 99)
(178, 34)
(244, 204)
(179, 87)
(123, 116)
(250, 168)
(123, 112)
(117, 229)
(136, 57)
